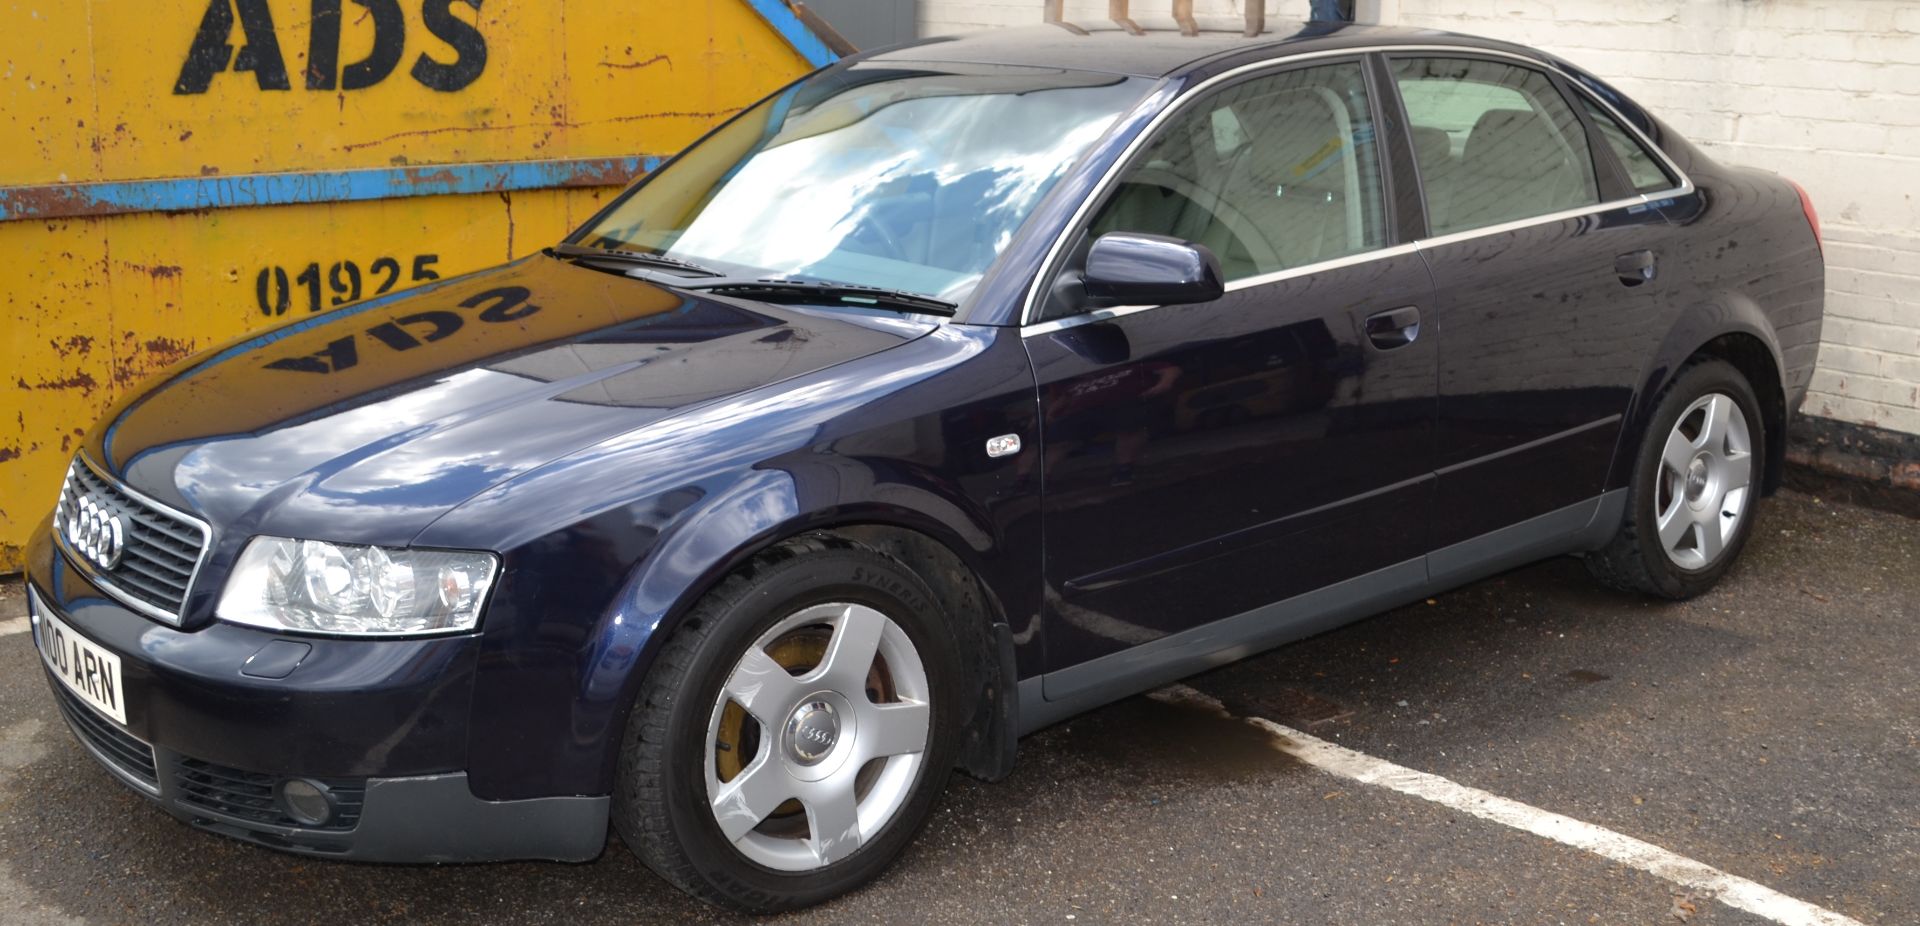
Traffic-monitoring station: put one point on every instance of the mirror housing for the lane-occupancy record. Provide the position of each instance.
(1132, 268)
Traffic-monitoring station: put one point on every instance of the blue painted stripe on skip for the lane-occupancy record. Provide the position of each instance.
(217, 192)
(781, 18)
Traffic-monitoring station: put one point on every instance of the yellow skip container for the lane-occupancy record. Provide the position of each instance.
(177, 174)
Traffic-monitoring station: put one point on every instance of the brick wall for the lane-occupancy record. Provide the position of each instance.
(950, 17)
(1824, 91)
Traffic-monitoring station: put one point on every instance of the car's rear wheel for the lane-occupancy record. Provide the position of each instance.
(795, 730)
(1695, 487)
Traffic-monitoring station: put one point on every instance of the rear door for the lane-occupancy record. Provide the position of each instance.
(1545, 264)
(1202, 461)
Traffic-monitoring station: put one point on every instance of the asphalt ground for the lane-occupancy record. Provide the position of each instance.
(1770, 729)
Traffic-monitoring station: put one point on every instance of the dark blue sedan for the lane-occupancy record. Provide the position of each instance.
(947, 392)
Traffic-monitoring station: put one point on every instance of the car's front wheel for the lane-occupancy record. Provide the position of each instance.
(1695, 487)
(794, 732)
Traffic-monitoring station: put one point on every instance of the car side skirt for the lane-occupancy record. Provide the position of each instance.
(1053, 697)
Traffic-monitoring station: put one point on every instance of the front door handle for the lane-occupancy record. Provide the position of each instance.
(1394, 327)
(1635, 267)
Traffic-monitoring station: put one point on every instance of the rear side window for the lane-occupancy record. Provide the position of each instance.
(1494, 142)
(1271, 173)
(1643, 169)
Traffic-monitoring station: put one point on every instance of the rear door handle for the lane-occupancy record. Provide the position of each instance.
(1635, 267)
(1394, 327)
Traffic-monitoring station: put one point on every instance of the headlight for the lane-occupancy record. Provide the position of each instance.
(307, 585)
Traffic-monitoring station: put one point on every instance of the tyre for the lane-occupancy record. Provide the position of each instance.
(794, 732)
(1695, 489)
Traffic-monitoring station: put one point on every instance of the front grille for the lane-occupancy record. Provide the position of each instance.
(128, 756)
(249, 796)
(160, 549)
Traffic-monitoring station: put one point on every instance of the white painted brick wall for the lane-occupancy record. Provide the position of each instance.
(951, 17)
(1824, 91)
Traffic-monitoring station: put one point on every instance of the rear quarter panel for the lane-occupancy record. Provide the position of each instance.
(1740, 259)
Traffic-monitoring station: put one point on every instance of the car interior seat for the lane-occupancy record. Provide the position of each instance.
(1299, 184)
(1517, 164)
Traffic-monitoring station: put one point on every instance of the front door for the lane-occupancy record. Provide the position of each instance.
(1201, 461)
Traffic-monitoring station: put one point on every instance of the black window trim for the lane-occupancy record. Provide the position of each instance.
(1609, 173)
(1599, 135)
(1057, 252)
(1409, 188)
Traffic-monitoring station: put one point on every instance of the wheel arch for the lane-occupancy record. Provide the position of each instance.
(992, 729)
(758, 515)
(1734, 329)
(1761, 367)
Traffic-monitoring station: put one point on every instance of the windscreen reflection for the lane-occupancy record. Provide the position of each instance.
(882, 176)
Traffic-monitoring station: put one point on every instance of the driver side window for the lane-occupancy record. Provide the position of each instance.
(1270, 174)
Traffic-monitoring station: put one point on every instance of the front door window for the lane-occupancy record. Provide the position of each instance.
(1272, 173)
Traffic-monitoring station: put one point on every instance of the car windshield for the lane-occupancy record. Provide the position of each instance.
(904, 177)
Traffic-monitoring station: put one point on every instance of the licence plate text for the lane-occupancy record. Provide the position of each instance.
(90, 672)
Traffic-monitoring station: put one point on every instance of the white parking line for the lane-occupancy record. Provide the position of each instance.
(16, 625)
(1731, 890)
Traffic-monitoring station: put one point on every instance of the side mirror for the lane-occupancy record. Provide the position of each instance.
(1130, 268)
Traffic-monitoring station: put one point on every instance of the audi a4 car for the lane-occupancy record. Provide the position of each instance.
(947, 392)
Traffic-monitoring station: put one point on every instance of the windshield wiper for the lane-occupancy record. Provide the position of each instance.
(821, 290)
(631, 257)
(707, 279)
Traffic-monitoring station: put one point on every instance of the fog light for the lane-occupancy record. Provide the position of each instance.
(306, 801)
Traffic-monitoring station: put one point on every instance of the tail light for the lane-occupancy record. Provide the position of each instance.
(1813, 218)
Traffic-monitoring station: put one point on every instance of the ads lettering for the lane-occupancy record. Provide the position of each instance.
(213, 49)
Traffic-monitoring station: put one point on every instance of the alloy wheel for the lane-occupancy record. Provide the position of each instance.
(1706, 473)
(817, 736)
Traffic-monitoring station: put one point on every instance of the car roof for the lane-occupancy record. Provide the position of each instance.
(1162, 51)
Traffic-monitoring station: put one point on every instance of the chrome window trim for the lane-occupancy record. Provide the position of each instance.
(1100, 315)
(106, 583)
(1637, 199)
(1030, 308)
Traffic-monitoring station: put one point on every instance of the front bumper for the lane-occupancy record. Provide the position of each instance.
(380, 725)
(429, 818)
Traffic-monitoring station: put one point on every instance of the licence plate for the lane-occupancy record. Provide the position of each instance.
(91, 673)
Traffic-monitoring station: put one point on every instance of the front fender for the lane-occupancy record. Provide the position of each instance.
(900, 475)
(754, 514)
(713, 540)
(651, 521)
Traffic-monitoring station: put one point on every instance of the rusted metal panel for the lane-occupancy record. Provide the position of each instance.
(97, 90)
(178, 174)
(66, 200)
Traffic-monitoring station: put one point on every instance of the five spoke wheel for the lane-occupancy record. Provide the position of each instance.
(1706, 471)
(817, 737)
